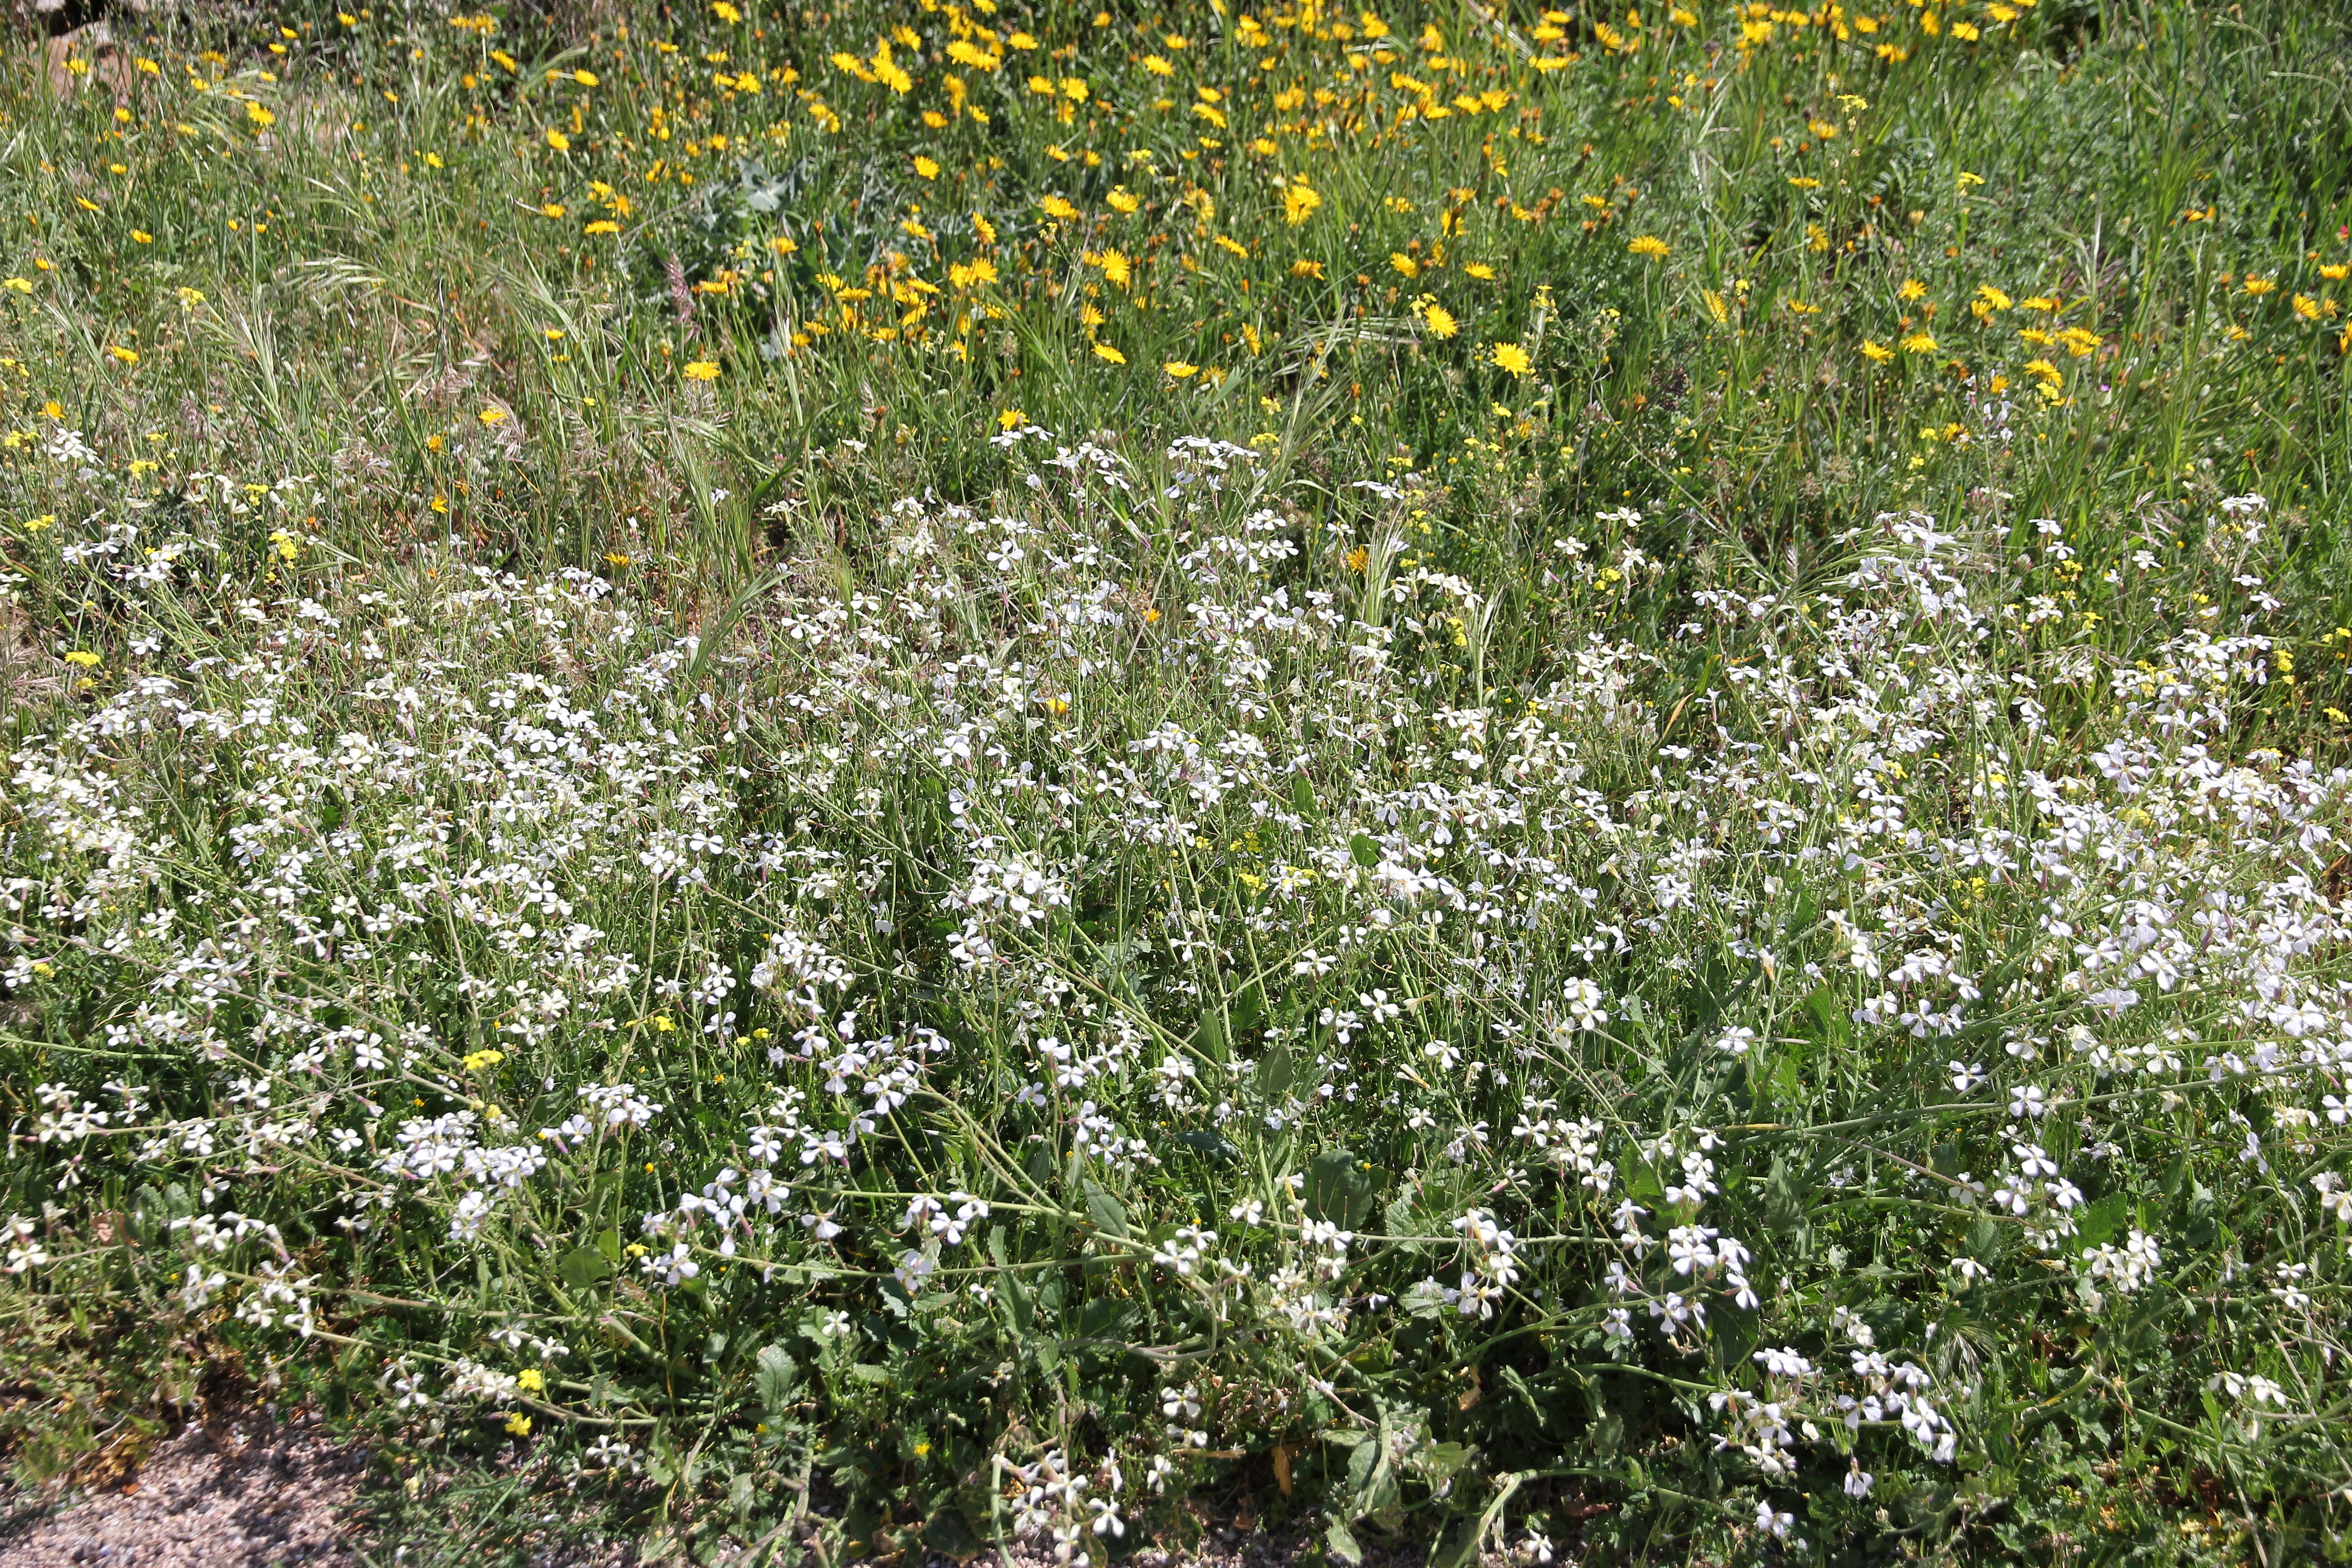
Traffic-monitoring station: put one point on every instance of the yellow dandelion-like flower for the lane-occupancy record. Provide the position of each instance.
(929, 168)
(559, 140)
(701, 370)
(1178, 370)
(1438, 320)
(1058, 207)
(1010, 418)
(1877, 353)
(1919, 343)
(1649, 245)
(1112, 355)
(1512, 358)
(1299, 201)
(492, 416)
(1123, 200)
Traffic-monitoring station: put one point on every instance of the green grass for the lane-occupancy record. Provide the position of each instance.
(1423, 626)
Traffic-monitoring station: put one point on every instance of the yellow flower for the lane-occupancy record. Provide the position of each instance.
(1058, 207)
(86, 660)
(141, 237)
(929, 168)
(1156, 66)
(559, 140)
(1649, 245)
(474, 1061)
(603, 226)
(1307, 269)
(127, 356)
(1439, 320)
(1911, 290)
(518, 1423)
(492, 415)
(1512, 358)
(1105, 352)
(553, 209)
(1178, 368)
(2306, 307)
(1299, 201)
(1116, 267)
(262, 118)
(2042, 371)
(1804, 182)
(2258, 287)
(2079, 341)
(1123, 200)
(701, 370)
(1404, 264)
(585, 78)
(1009, 419)
(1876, 351)
(530, 1380)
(1919, 343)
(1481, 271)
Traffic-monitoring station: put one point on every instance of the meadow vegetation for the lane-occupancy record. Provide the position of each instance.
(816, 781)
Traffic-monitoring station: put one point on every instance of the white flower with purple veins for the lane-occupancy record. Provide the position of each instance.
(2027, 1100)
(1966, 1076)
(673, 1268)
(1736, 1042)
(1585, 1004)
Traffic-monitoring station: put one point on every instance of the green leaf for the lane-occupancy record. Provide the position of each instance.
(583, 1268)
(1302, 796)
(779, 1375)
(1110, 1216)
(1342, 1545)
(1210, 1038)
(1276, 1071)
(2101, 1220)
(1425, 1299)
(1367, 853)
(1341, 1188)
(949, 1534)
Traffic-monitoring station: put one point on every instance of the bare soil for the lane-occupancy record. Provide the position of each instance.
(249, 1493)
